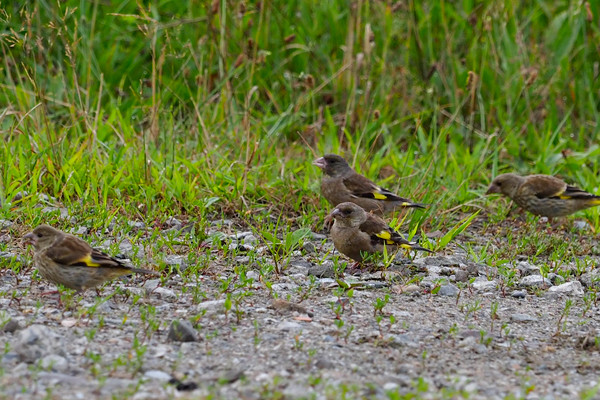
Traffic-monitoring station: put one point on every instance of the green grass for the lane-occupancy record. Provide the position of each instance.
(208, 110)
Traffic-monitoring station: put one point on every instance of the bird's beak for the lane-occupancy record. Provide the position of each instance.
(493, 189)
(320, 162)
(335, 213)
(30, 238)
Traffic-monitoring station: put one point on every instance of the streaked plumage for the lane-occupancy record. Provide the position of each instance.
(543, 195)
(68, 260)
(341, 184)
(356, 232)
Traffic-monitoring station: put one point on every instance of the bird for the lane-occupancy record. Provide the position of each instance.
(356, 232)
(341, 184)
(543, 195)
(71, 262)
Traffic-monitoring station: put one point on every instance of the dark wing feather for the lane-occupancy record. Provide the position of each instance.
(68, 250)
(380, 232)
(543, 186)
(72, 251)
(573, 192)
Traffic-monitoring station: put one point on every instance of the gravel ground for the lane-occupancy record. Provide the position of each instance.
(460, 330)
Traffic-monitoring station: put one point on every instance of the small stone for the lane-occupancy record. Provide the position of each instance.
(309, 247)
(537, 281)
(241, 247)
(448, 290)
(251, 240)
(55, 363)
(483, 284)
(555, 278)
(519, 294)
(139, 225)
(318, 236)
(173, 223)
(461, 276)
(35, 342)
(522, 318)
(590, 279)
(390, 386)
(81, 230)
(211, 305)
(177, 261)
(322, 271)
(324, 363)
(231, 376)
(182, 331)
(296, 391)
(19, 196)
(157, 375)
(289, 326)
(10, 326)
(527, 269)
(402, 340)
(581, 225)
(573, 288)
(165, 294)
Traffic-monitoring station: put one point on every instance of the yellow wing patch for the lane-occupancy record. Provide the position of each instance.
(88, 261)
(379, 196)
(385, 235)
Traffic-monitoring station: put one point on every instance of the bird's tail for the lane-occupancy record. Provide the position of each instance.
(144, 271)
(407, 204)
(415, 246)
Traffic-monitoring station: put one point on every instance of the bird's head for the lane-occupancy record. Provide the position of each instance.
(42, 236)
(349, 214)
(506, 184)
(332, 165)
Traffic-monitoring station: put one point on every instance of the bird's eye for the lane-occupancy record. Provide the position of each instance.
(40, 234)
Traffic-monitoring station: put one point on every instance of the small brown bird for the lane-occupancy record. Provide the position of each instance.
(67, 260)
(543, 195)
(341, 183)
(356, 232)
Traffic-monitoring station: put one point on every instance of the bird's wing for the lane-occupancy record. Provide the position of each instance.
(543, 186)
(382, 233)
(73, 251)
(361, 186)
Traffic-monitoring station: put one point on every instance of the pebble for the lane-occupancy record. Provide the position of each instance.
(157, 375)
(182, 331)
(483, 284)
(35, 342)
(522, 318)
(448, 290)
(519, 294)
(165, 294)
(289, 326)
(322, 271)
(55, 363)
(573, 288)
(581, 225)
(173, 223)
(318, 236)
(590, 279)
(10, 326)
(527, 269)
(537, 281)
